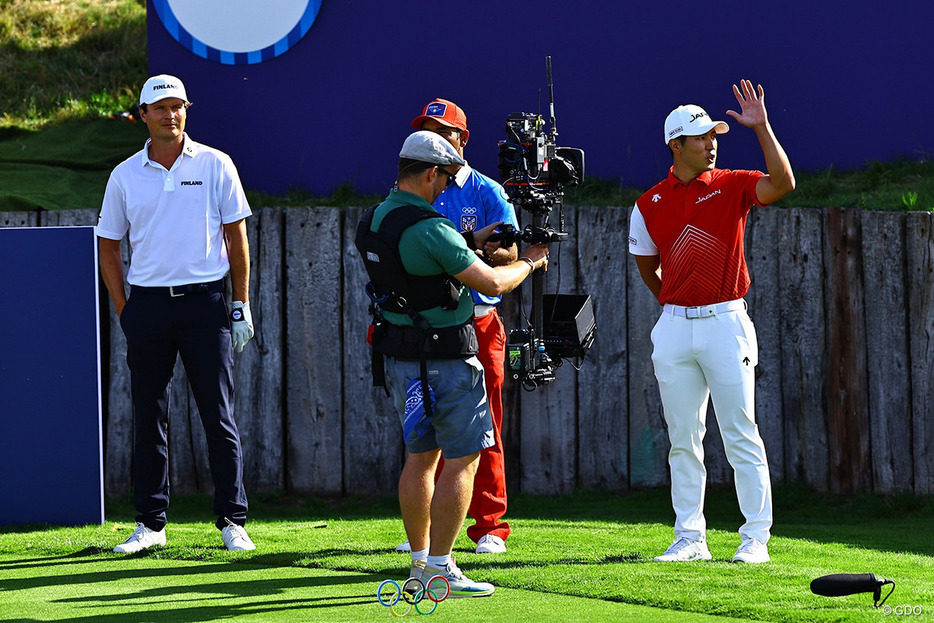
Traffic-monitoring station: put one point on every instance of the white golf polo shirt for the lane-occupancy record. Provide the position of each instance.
(174, 217)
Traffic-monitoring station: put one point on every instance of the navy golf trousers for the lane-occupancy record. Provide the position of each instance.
(158, 327)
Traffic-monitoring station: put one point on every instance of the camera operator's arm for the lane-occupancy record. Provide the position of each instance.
(494, 251)
(500, 256)
(650, 269)
(496, 206)
(479, 237)
(494, 281)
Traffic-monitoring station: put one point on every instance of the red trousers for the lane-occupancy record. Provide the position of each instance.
(488, 504)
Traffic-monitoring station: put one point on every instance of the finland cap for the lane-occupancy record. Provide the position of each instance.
(161, 87)
(426, 146)
(444, 112)
(691, 120)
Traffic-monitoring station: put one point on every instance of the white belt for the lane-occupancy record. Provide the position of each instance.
(479, 311)
(705, 311)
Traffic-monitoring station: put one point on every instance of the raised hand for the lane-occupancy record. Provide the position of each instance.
(752, 105)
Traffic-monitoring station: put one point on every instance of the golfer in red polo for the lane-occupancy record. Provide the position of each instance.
(686, 234)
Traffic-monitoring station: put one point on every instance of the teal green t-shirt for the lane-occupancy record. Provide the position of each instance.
(429, 247)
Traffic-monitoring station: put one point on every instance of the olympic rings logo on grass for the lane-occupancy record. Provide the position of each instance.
(401, 599)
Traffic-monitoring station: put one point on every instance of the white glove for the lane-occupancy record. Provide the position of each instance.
(241, 321)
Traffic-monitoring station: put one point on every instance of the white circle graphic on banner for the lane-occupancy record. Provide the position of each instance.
(237, 32)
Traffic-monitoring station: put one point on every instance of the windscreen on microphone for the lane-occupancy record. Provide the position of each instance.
(840, 584)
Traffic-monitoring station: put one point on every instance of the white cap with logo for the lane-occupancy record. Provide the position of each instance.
(161, 87)
(427, 146)
(691, 120)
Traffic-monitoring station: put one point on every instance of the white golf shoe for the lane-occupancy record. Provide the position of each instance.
(752, 551)
(236, 539)
(491, 544)
(142, 538)
(685, 550)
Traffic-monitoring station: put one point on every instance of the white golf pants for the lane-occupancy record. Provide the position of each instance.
(704, 352)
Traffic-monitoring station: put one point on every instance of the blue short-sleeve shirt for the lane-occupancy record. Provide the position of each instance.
(473, 202)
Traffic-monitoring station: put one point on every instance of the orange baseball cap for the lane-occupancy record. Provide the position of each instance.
(445, 112)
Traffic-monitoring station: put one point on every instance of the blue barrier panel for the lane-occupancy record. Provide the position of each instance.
(51, 453)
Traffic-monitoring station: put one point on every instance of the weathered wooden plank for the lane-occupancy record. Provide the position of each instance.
(801, 276)
(549, 414)
(648, 435)
(889, 369)
(313, 349)
(18, 219)
(920, 252)
(512, 391)
(765, 308)
(603, 390)
(788, 311)
(258, 368)
(67, 218)
(847, 397)
(373, 448)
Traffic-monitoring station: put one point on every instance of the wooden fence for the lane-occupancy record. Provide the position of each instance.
(841, 298)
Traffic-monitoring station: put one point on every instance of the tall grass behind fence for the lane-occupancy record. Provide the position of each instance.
(842, 300)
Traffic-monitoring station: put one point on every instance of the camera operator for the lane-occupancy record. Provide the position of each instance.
(453, 420)
(473, 202)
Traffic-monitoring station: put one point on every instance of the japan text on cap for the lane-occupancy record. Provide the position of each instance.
(446, 113)
(426, 146)
(161, 87)
(691, 120)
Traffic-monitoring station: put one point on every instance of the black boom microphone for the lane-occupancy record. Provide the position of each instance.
(841, 584)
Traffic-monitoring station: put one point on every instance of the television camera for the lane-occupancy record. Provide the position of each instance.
(535, 171)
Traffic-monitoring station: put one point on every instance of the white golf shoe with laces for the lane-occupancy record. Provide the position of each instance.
(685, 550)
(236, 539)
(752, 551)
(142, 538)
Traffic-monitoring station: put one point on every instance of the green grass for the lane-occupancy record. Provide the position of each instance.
(584, 557)
(69, 59)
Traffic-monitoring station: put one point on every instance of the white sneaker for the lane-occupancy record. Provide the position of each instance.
(142, 538)
(461, 585)
(685, 550)
(405, 546)
(752, 551)
(235, 538)
(491, 544)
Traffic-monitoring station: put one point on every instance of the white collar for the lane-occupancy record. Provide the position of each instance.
(189, 148)
(460, 178)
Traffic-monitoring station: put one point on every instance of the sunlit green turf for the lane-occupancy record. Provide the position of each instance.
(586, 557)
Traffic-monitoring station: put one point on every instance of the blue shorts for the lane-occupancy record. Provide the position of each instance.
(461, 423)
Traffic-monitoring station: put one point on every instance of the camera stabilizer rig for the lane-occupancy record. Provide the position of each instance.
(535, 172)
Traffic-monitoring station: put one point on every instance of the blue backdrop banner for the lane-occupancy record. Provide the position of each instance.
(335, 107)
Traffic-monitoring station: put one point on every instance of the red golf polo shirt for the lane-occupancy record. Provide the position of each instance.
(698, 230)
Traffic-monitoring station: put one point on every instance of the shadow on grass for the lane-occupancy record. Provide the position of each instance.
(93, 556)
(885, 523)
